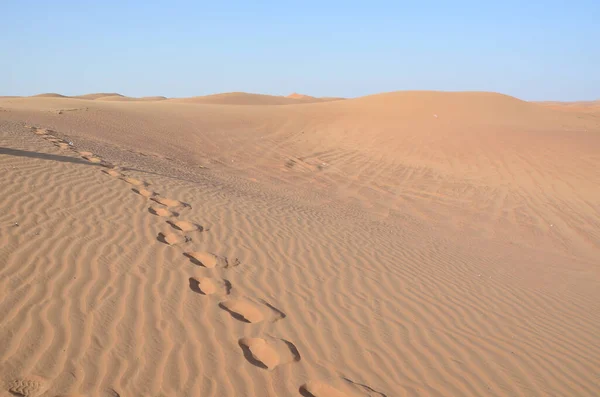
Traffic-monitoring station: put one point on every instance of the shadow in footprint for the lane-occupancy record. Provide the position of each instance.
(162, 212)
(369, 389)
(278, 313)
(251, 311)
(113, 392)
(304, 392)
(269, 353)
(143, 192)
(293, 349)
(172, 238)
(192, 259)
(195, 286)
(248, 355)
(207, 286)
(228, 286)
(170, 202)
(234, 314)
(203, 259)
(185, 226)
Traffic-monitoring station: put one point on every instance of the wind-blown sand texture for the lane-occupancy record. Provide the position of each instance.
(401, 244)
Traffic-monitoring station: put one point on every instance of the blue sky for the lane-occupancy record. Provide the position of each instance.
(535, 50)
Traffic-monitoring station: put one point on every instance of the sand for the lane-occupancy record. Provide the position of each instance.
(400, 244)
(243, 98)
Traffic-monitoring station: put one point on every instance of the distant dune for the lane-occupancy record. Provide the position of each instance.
(575, 103)
(49, 95)
(579, 106)
(120, 98)
(97, 95)
(308, 98)
(230, 98)
(103, 97)
(295, 95)
(152, 98)
(243, 98)
(237, 98)
(114, 98)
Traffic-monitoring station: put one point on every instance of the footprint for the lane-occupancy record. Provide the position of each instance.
(29, 386)
(368, 389)
(172, 238)
(144, 192)
(112, 173)
(210, 286)
(110, 392)
(269, 353)
(320, 389)
(185, 226)
(93, 159)
(170, 202)
(251, 312)
(202, 258)
(243, 310)
(133, 181)
(159, 211)
(110, 165)
(209, 260)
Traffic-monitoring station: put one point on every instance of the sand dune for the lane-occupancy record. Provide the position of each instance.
(231, 98)
(151, 98)
(49, 95)
(578, 107)
(243, 98)
(101, 97)
(295, 95)
(130, 99)
(400, 244)
(98, 95)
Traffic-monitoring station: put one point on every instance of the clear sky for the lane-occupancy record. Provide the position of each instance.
(535, 50)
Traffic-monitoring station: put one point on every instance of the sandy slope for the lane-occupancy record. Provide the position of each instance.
(412, 243)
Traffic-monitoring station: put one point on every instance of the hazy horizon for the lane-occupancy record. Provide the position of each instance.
(282, 95)
(335, 50)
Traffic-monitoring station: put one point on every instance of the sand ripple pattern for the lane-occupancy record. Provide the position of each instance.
(94, 303)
